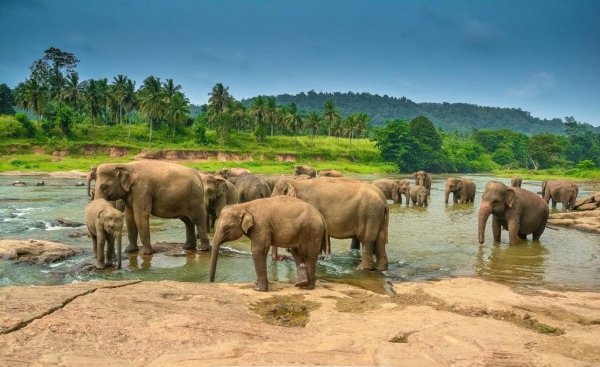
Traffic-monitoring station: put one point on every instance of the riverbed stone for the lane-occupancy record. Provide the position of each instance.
(36, 251)
(453, 322)
(587, 221)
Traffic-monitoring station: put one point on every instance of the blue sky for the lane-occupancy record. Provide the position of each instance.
(541, 56)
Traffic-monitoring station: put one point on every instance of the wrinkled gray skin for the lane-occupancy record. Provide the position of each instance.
(162, 189)
(519, 211)
(215, 197)
(104, 225)
(560, 191)
(228, 173)
(393, 189)
(351, 208)
(304, 170)
(272, 180)
(424, 179)
(330, 173)
(277, 221)
(516, 181)
(251, 187)
(462, 189)
(418, 195)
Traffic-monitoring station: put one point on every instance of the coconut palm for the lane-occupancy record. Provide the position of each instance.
(219, 102)
(170, 88)
(71, 92)
(257, 111)
(331, 115)
(294, 121)
(129, 102)
(153, 104)
(238, 113)
(271, 112)
(178, 111)
(313, 121)
(96, 95)
(362, 124)
(31, 95)
(118, 91)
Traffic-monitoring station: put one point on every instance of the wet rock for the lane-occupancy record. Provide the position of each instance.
(40, 183)
(78, 233)
(591, 202)
(80, 184)
(68, 223)
(36, 251)
(19, 183)
(587, 221)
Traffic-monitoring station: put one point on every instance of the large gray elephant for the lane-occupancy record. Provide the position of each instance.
(163, 189)
(272, 180)
(105, 225)
(519, 211)
(560, 191)
(424, 179)
(251, 187)
(418, 195)
(216, 195)
(304, 170)
(462, 189)
(280, 222)
(516, 181)
(227, 173)
(393, 189)
(351, 208)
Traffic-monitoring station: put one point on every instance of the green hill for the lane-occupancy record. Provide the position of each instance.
(462, 117)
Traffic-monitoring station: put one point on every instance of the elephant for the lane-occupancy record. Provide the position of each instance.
(518, 210)
(418, 195)
(516, 181)
(304, 170)
(231, 173)
(272, 180)
(215, 197)
(104, 224)
(275, 221)
(462, 189)
(560, 191)
(351, 208)
(251, 187)
(163, 189)
(330, 173)
(302, 177)
(91, 176)
(393, 189)
(424, 179)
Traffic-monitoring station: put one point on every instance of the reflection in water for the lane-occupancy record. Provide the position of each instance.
(523, 263)
(423, 243)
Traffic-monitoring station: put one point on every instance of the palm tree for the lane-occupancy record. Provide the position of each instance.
(219, 102)
(71, 92)
(280, 115)
(129, 102)
(271, 112)
(362, 123)
(238, 113)
(313, 121)
(178, 110)
(331, 115)
(96, 93)
(170, 88)
(153, 104)
(118, 90)
(258, 110)
(348, 126)
(294, 121)
(31, 95)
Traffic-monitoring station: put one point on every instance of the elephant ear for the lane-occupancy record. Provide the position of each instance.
(509, 197)
(247, 221)
(125, 178)
(289, 190)
(459, 184)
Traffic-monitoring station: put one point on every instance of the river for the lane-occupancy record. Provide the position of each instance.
(424, 243)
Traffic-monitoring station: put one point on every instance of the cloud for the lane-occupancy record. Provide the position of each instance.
(479, 35)
(537, 84)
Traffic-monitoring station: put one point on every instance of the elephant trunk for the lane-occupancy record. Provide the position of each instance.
(214, 256)
(446, 196)
(396, 195)
(119, 252)
(485, 209)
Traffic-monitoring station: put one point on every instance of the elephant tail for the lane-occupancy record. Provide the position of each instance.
(385, 224)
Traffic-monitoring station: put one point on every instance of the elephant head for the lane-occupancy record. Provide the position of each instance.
(233, 224)
(113, 181)
(497, 197)
(112, 222)
(452, 185)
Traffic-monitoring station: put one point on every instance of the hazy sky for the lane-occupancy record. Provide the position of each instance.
(541, 56)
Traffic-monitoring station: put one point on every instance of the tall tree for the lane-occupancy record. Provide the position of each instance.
(71, 93)
(219, 102)
(178, 111)
(271, 112)
(331, 115)
(313, 121)
(294, 122)
(258, 111)
(6, 100)
(118, 90)
(32, 96)
(153, 104)
(96, 96)
(48, 71)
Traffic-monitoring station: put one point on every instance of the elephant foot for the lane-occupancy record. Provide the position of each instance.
(302, 276)
(109, 263)
(279, 257)
(365, 265)
(132, 248)
(189, 247)
(100, 265)
(264, 288)
(146, 250)
(204, 248)
(381, 266)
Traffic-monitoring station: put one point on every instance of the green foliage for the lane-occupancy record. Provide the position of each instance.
(59, 115)
(27, 124)
(547, 150)
(586, 165)
(10, 127)
(6, 100)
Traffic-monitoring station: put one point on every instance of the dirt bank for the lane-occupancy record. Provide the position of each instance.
(458, 322)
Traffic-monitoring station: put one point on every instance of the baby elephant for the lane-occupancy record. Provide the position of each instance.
(105, 224)
(418, 195)
(281, 221)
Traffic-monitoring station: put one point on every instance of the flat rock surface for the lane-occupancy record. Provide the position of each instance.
(454, 322)
(36, 251)
(587, 221)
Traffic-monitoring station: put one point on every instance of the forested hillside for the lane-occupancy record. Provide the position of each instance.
(462, 117)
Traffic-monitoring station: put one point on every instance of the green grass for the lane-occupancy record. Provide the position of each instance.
(552, 173)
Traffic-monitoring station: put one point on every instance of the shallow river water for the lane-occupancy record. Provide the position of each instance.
(424, 243)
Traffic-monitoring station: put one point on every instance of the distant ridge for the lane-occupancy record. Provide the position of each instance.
(462, 117)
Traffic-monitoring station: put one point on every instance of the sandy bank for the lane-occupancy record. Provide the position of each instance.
(458, 322)
(61, 174)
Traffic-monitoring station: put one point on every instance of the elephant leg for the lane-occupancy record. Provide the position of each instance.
(110, 250)
(301, 270)
(455, 198)
(142, 222)
(94, 245)
(190, 234)
(310, 260)
(407, 200)
(275, 256)
(200, 220)
(513, 232)
(522, 236)
(100, 250)
(538, 233)
(380, 254)
(259, 255)
(554, 202)
(496, 229)
(355, 245)
(132, 232)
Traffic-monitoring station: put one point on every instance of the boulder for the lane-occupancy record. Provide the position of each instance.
(36, 251)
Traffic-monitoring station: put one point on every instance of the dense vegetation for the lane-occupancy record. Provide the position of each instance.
(70, 114)
(461, 117)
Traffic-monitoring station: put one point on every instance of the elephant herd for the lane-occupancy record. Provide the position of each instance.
(299, 212)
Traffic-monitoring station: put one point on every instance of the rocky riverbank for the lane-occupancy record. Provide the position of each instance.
(458, 322)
